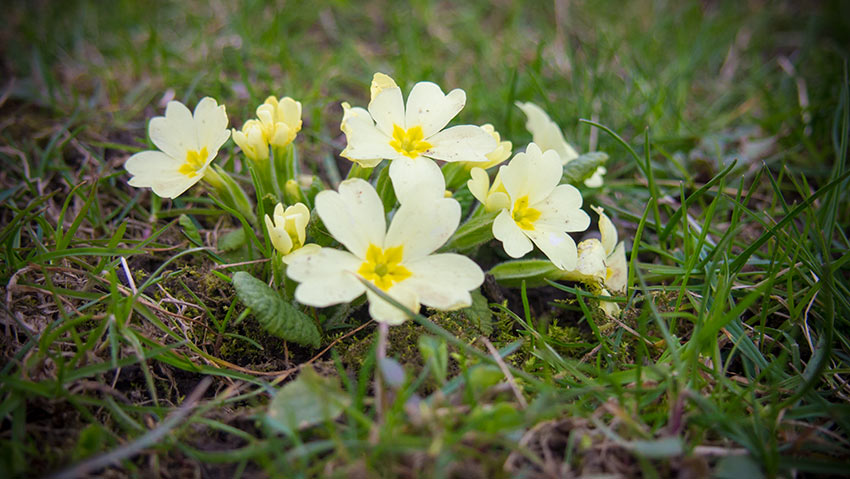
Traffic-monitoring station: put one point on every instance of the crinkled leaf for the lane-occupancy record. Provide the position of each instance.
(479, 313)
(308, 400)
(583, 167)
(189, 229)
(277, 316)
(232, 240)
(533, 271)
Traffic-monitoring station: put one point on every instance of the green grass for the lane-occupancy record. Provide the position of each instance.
(727, 128)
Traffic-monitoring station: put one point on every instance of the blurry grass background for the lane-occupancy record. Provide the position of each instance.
(760, 82)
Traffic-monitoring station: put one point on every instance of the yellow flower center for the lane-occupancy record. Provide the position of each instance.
(195, 160)
(524, 215)
(409, 142)
(383, 267)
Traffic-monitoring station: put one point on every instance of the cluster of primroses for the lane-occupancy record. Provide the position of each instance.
(525, 202)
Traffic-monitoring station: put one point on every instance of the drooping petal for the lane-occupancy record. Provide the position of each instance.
(515, 242)
(354, 216)
(558, 246)
(532, 173)
(367, 145)
(175, 132)
(596, 180)
(618, 269)
(429, 108)
(384, 312)
(461, 143)
(387, 109)
(561, 210)
(610, 308)
(211, 124)
(443, 281)
(590, 267)
(327, 277)
(416, 179)
(546, 133)
(606, 229)
(422, 226)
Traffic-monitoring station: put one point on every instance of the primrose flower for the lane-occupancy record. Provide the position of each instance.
(397, 260)
(548, 136)
(540, 211)
(187, 143)
(252, 140)
(288, 230)
(494, 197)
(602, 262)
(412, 136)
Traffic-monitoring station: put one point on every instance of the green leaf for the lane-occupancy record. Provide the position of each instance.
(436, 354)
(385, 190)
(731, 467)
(658, 448)
(583, 167)
(277, 316)
(190, 230)
(309, 400)
(533, 271)
(232, 240)
(479, 313)
(477, 230)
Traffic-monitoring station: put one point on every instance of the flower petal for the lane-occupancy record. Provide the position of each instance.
(387, 109)
(367, 145)
(416, 179)
(546, 133)
(618, 269)
(175, 132)
(606, 230)
(514, 241)
(307, 249)
(461, 143)
(532, 173)
(562, 211)
(422, 226)
(479, 184)
(327, 277)
(590, 266)
(158, 171)
(278, 236)
(558, 246)
(380, 82)
(443, 281)
(354, 216)
(596, 180)
(384, 312)
(429, 108)
(211, 125)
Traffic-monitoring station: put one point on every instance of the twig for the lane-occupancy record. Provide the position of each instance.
(242, 263)
(504, 367)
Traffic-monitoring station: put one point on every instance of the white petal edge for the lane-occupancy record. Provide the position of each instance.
(443, 281)
(618, 268)
(384, 312)
(429, 108)
(514, 241)
(532, 173)
(387, 109)
(606, 229)
(558, 246)
(422, 226)
(366, 144)
(211, 125)
(174, 133)
(327, 277)
(354, 216)
(561, 210)
(416, 180)
(461, 143)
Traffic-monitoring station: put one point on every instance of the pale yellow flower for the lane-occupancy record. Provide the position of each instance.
(252, 140)
(288, 230)
(280, 120)
(495, 157)
(412, 135)
(540, 210)
(494, 197)
(548, 136)
(398, 260)
(187, 142)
